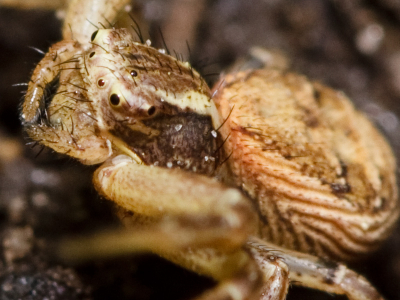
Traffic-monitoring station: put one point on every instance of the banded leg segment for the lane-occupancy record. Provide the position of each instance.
(275, 273)
(313, 272)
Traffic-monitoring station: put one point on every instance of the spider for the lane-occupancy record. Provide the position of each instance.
(237, 183)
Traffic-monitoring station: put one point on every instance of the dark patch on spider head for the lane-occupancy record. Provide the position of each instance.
(185, 140)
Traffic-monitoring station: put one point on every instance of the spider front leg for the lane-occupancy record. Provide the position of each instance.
(196, 222)
(57, 112)
(45, 75)
(221, 217)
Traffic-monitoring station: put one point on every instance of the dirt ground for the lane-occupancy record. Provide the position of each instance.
(352, 45)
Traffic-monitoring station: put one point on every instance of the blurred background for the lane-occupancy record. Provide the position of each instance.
(351, 45)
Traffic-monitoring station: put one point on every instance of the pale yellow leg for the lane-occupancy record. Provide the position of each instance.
(196, 222)
(190, 202)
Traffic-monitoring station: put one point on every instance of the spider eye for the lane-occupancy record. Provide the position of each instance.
(92, 54)
(133, 73)
(151, 110)
(94, 35)
(101, 82)
(114, 99)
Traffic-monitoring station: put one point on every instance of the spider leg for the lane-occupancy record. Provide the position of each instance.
(313, 272)
(191, 220)
(275, 273)
(45, 72)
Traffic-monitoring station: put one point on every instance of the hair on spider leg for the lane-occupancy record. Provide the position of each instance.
(148, 52)
(123, 56)
(115, 32)
(201, 64)
(23, 92)
(70, 132)
(226, 119)
(66, 94)
(252, 127)
(73, 59)
(63, 107)
(89, 114)
(84, 63)
(20, 84)
(163, 41)
(100, 47)
(42, 147)
(68, 151)
(218, 88)
(265, 148)
(91, 23)
(135, 82)
(191, 72)
(113, 61)
(111, 70)
(222, 144)
(137, 29)
(37, 50)
(169, 66)
(179, 68)
(79, 100)
(178, 56)
(77, 86)
(210, 74)
(159, 62)
(196, 63)
(189, 51)
(134, 56)
(33, 144)
(127, 102)
(61, 92)
(226, 159)
(109, 23)
(217, 151)
(72, 32)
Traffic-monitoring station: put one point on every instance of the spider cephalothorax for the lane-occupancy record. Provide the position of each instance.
(152, 103)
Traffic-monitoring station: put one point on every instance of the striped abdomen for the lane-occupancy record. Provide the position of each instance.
(321, 175)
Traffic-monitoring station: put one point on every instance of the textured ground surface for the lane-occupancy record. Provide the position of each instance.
(352, 45)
